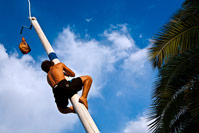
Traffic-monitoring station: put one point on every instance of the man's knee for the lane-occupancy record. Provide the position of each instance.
(86, 78)
(89, 78)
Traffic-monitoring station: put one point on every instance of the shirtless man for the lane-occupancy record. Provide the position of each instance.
(63, 89)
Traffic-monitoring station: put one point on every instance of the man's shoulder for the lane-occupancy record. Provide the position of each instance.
(59, 64)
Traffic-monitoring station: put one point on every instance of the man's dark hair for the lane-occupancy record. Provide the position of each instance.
(45, 66)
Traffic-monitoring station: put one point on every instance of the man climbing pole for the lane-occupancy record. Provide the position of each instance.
(63, 89)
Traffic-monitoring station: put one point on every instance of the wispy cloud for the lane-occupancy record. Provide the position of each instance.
(137, 61)
(98, 59)
(118, 54)
(26, 100)
(85, 57)
(137, 126)
(88, 19)
(140, 36)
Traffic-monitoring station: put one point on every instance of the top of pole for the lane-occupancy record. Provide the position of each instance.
(29, 9)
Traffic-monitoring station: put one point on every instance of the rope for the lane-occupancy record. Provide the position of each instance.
(29, 9)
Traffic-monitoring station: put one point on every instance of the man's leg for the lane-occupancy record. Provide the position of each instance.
(87, 81)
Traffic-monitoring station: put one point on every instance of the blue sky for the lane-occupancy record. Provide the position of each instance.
(107, 39)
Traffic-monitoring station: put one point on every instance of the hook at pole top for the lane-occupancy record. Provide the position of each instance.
(29, 9)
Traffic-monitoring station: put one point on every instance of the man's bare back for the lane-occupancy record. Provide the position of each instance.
(56, 74)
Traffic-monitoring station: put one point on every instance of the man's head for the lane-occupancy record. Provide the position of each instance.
(45, 66)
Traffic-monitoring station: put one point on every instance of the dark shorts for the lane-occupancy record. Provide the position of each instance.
(65, 90)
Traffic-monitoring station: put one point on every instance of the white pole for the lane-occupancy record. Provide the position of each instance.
(86, 119)
(81, 110)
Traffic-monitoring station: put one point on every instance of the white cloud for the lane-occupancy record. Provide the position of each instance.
(137, 126)
(140, 36)
(137, 61)
(96, 58)
(120, 39)
(26, 101)
(99, 58)
(119, 93)
(88, 19)
(121, 42)
(85, 58)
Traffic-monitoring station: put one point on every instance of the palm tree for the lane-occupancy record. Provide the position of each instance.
(175, 53)
(175, 98)
(179, 35)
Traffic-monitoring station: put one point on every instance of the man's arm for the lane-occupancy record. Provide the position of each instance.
(68, 71)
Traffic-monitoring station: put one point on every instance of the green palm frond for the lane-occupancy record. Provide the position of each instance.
(175, 79)
(188, 121)
(192, 96)
(192, 127)
(175, 52)
(190, 3)
(179, 35)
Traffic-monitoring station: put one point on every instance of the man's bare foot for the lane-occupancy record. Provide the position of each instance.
(72, 109)
(83, 101)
